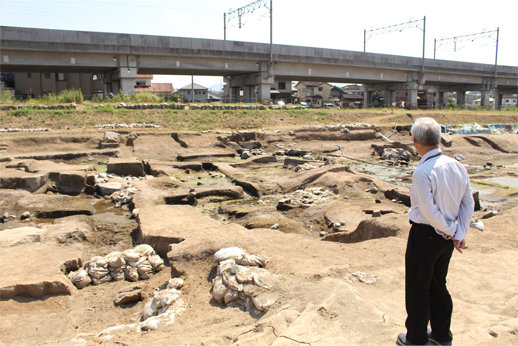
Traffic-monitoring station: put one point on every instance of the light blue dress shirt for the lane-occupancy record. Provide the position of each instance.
(441, 195)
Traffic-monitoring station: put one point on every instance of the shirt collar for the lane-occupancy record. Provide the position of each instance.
(429, 154)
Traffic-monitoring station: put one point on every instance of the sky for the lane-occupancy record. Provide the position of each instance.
(335, 24)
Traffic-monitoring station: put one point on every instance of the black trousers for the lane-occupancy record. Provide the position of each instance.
(427, 299)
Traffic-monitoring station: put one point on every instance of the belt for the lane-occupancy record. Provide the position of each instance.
(442, 234)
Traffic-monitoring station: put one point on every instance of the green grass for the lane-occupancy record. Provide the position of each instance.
(20, 112)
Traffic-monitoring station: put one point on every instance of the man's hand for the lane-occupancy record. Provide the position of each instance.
(460, 245)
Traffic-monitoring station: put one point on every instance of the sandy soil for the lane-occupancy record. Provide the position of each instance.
(318, 301)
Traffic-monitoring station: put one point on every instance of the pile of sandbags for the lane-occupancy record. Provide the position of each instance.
(241, 279)
(163, 305)
(132, 265)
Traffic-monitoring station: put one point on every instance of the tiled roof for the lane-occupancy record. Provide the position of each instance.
(156, 87)
(196, 87)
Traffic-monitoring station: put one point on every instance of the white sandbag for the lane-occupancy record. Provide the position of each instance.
(104, 279)
(131, 273)
(80, 278)
(151, 324)
(144, 270)
(97, 272)
(225, 266)
(218, 289)
(262, 305)
(251, 290)
(131, 256)
(231, 295)
(150, 309)
(251, 260)
(101, 262)
(156, 262)
(158, 301)
(133, 264)
(229, 252)
(168, 297)
(117, 275)
(175, 283)
(231, 282)
(115, 260)
(144, 250)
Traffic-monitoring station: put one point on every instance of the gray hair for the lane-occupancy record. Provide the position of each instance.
(427, 132)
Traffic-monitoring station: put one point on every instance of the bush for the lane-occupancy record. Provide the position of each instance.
(71, 95)
(66, 96)
(20, 112)
(6, 97)
(107, 108)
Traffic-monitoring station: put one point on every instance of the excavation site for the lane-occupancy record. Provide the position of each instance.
(131, 234)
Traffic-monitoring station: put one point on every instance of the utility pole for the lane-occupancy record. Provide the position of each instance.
(424, 33)
(496, 54)
(271, 32)
(192, 87)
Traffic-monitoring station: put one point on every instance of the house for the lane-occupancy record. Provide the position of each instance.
(509, 100)
(194, 93)
(315, 94)
(351, 96)
(143, 83)
(212, 97)
(283, 91)
(35, 84)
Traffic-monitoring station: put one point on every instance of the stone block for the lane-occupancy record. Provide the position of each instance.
(71, 183)
(126, 166)
(108, 188)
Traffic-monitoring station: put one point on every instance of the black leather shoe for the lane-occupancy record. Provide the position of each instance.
(402, 341)
(435, 342)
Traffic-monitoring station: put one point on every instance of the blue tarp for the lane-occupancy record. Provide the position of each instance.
(474, 128)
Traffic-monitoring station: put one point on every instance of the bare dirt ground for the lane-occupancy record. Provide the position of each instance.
(325, 237)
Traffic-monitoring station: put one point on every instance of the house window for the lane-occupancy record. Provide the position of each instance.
(282, 85)
(47, 75)
(96, 77)
(29, 75)
(204, 92)
(188, 92)
(320, 88)
(61, 76)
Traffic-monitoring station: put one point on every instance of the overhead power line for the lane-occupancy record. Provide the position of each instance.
(467, 38)
(397, 27)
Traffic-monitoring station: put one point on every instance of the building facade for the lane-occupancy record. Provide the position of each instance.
(35, 84)
(194, 93)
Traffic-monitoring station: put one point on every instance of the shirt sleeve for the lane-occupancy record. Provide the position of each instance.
(428, 208)
(466, 210)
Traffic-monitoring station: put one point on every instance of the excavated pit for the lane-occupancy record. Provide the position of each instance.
(307, 214)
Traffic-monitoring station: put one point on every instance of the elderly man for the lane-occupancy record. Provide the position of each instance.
(441, 211)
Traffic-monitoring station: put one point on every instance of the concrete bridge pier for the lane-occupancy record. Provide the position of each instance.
(249, 94)
(499, 99)
(390, 98)
(484, 98)
(461, 98)
(441, 102)
(414, 79)
(234, 96)
(411, 97)
(121, 80)
(367, 99)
